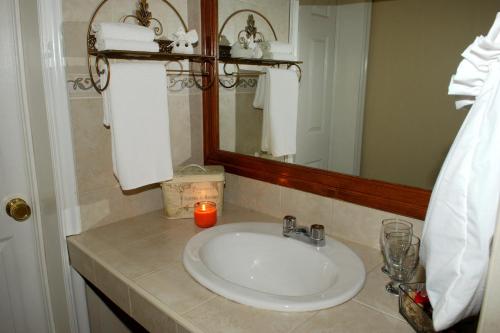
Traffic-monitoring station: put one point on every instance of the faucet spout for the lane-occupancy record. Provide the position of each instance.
(314, 236)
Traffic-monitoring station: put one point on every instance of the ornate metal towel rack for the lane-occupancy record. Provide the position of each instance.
(250, 31)
(96, 59)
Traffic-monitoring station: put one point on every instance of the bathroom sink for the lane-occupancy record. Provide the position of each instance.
(253, 264)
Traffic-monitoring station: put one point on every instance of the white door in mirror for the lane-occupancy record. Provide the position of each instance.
(253, 264)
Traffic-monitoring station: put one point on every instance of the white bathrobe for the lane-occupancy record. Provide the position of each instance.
(461, 218)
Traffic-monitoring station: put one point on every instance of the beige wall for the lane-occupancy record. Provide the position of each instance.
(276, 11)
(415, 47)
(101, 199)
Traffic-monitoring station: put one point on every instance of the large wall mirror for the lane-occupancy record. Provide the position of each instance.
(372, 97)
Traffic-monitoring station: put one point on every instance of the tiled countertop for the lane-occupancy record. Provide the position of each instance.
(137, 263)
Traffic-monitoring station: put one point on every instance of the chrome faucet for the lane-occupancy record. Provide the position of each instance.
(315, 236)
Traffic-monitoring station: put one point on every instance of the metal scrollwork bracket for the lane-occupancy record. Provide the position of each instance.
(235, 73)
(207, 72)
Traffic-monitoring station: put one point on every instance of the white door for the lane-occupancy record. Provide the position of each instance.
(316, 49)
(22, 305)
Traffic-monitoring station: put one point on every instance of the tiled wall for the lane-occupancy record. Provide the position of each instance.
(101, 199)
(341, 219)
(239, 121)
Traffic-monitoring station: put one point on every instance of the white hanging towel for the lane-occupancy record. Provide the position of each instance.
(279, 124)
(126, 31)
(136, 99)
(461, 217)
(260, 92)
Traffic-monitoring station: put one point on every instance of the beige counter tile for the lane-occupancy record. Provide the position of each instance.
(149, 316)
(352, 317)
(81, 262)
(111, 237)
(112, 286)
(374, 295)
(175, 287)
(222, 315)
(144, 256)
(371, 257)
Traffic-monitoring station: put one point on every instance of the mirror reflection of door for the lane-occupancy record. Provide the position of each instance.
(333, 44)
(316, 48)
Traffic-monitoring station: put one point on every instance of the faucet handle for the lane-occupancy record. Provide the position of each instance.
(289, 224)
(317, 232)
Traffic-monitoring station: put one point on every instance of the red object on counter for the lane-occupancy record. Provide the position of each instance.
(205, 214)
(421, 298)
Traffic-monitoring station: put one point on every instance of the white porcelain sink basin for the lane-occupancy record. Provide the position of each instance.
(253, 264)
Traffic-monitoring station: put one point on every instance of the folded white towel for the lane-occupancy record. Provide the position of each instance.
(279, 126)
(276, 47)
(260, 93)
(126, 45)
(279, 56)
(237, 51)
(140, 133)
(126, 31)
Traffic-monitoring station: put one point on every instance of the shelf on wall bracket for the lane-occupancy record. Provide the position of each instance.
(255, 62)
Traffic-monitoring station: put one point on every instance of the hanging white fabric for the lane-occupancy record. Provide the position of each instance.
(461, 218)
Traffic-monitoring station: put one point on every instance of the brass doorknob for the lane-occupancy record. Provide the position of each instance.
(18, 209)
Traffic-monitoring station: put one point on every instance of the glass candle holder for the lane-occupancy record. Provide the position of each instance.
(205, 214)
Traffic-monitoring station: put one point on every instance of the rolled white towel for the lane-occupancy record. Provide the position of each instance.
(276, 47)
(125, 31)
(239, 52)
(279, 56)
(126, 45)
(257, 52)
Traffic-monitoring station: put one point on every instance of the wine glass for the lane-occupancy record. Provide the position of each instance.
(388, 226)
(402, 254)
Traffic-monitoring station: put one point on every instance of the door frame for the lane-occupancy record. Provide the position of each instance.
(50, 20)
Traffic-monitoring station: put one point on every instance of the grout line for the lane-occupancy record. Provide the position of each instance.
(302, 323)
(198, 305)
(379, 310)
(146, 275)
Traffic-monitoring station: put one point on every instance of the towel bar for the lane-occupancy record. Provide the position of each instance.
(144, 17)
(238, 75)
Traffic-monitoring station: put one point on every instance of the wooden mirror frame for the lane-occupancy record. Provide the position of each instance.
(400, 199)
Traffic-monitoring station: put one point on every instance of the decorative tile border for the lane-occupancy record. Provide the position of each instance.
(80, 85)
(246, 84)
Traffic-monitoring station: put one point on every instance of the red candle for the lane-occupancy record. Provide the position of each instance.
(205, 214)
